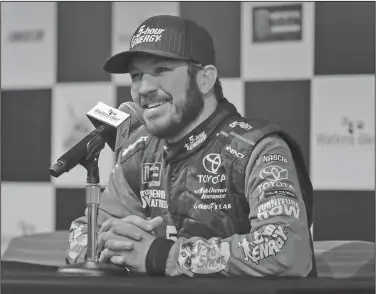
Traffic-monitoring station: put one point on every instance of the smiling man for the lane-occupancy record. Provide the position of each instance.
(199, 189)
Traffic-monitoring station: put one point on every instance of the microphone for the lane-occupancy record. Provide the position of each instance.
(113, 126)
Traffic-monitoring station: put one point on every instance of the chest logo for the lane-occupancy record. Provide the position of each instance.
(151, 174)
(211, 162)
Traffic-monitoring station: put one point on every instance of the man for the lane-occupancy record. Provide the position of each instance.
(199, 189)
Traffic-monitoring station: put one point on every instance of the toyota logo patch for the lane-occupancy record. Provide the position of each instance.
(274, 173)
(212, 162)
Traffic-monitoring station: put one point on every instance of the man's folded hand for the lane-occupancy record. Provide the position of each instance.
(127, 241)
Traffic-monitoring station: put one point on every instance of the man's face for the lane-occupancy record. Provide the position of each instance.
(170, 100)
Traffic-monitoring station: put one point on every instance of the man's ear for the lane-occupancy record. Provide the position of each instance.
(206, 78)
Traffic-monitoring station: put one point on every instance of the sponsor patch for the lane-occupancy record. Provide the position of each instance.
(274, 173)
(77, 246)
(212, 206)
(204, 257)
(234, 152)
(279, 192)
(211, 179)
(194, 141)
(241, 124)
(274, 176)
(212, 162)
(153, 198)
(271, 184)
(147, 35)
(211, 193)
(267, 241)
(151, 174)
(276, 207)
(75, 231)
(274, 157)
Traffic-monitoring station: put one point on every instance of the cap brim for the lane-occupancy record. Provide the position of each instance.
(119, 63)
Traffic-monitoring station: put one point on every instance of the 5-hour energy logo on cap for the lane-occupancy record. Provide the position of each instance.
(145, 35)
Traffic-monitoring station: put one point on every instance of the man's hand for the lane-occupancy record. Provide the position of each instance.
(118, 252)
(127, 241)
(146, 225)
(106, 230)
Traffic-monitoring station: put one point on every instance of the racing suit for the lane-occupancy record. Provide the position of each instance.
(234, 195)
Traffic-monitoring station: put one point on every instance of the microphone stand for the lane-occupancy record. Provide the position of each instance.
(92, 266)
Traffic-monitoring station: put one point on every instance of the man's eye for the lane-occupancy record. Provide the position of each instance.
(161, 70)
(136, 76)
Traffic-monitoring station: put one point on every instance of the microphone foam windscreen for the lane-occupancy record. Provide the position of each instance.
(135, 112)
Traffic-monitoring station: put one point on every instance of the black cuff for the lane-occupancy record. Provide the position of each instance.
(157, 255)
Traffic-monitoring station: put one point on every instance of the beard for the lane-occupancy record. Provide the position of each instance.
(182, 113)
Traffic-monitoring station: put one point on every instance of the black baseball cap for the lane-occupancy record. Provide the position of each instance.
(167, 36)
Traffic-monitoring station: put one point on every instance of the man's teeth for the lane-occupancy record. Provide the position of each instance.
(152, 105)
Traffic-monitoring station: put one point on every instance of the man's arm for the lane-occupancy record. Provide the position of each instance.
(279, 241)
(118, 200)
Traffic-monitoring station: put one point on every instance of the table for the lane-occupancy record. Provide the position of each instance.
(18, 277)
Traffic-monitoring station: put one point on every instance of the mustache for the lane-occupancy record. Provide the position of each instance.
(153, 97)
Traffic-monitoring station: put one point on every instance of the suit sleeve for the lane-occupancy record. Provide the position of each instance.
(278, 243)
(118, 200)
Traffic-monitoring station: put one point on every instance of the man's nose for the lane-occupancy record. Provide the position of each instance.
(148, 84)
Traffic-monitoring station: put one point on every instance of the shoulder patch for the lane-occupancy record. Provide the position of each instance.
(266, 158)
(238, 152)
(241, 135)
(248, 130)
(234, 152)
(240, 124)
